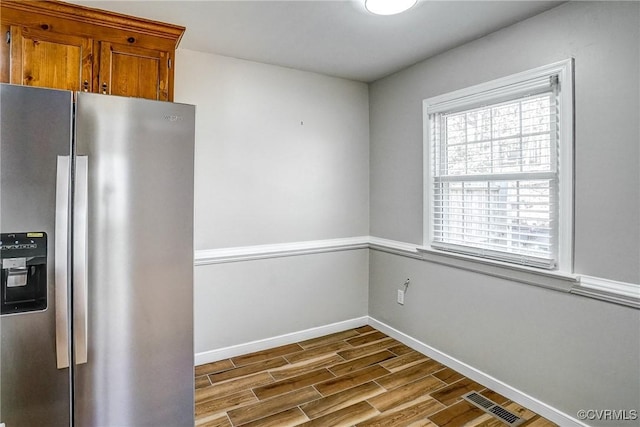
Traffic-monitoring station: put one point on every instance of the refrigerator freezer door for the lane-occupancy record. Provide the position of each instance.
(35, 130)
(140, 262)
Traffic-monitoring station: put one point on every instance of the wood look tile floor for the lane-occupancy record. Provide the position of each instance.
(358, 377)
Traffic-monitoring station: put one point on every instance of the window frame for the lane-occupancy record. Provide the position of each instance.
(493, 92)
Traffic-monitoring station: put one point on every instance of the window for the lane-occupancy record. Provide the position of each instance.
(498, 168)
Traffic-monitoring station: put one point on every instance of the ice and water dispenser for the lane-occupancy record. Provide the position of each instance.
(24, 272)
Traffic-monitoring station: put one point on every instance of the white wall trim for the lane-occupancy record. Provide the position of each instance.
(549, 279)
(249, 253)
(508, 391)
(609, 290)
(395, 247)
(627, 294)
(494, 384)
(267, 343)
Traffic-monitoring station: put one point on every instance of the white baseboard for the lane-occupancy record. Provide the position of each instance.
(498, 386)
(494, 384)
(267, 343)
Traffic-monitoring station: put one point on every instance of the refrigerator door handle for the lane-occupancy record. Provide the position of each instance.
(61, 268)
(80, 226)
(80, 255)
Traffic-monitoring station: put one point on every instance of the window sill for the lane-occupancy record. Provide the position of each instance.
(627, 294)
(555, 280)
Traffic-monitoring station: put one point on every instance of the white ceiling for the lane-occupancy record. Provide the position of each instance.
(338, 38)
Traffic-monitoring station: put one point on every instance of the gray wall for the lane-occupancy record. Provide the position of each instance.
(281, 156)
(570, 352)
(262, 177)
(603, 38)
(241, 302)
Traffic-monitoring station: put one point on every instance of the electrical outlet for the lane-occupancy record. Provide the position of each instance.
(400, 297)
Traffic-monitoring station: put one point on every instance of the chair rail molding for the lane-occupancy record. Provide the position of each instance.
(609, 290)
(249, 253)
(622, 293)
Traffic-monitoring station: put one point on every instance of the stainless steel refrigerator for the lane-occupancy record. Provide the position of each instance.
(96, 216)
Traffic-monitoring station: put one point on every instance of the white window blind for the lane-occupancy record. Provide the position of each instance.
(494, 174)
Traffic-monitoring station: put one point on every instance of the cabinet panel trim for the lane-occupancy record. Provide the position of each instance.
(90, 19)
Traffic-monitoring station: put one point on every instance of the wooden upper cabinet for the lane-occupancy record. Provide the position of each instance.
(133, 71)
(46, 59)
(58, 45)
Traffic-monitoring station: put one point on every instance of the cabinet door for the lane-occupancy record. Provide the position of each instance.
(53, 60)
(133, 71)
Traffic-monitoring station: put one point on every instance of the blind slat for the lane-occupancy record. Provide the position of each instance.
(528, 260)
(460, 237)
(529, 87)
(498, 177)
(522, 250)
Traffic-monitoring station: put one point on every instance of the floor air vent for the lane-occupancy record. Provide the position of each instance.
(493, 408)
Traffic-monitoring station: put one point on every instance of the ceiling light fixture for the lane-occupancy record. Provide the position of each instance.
(388, 7)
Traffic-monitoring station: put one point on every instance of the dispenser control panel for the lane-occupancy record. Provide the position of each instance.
(23, 259)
